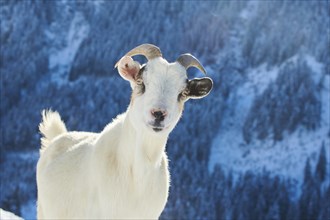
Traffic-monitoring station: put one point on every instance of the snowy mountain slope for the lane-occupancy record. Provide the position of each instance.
(285, 158)
(61, 59)
(60, 55)
(5, 215)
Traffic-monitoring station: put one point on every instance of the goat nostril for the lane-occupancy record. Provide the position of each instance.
(159, 115)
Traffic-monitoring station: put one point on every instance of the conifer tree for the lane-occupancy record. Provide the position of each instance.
(321, 167)
(308, 177)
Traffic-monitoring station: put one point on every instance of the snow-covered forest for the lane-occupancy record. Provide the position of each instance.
(256, 148)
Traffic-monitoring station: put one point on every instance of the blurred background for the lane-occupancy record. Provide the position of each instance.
(256, 148)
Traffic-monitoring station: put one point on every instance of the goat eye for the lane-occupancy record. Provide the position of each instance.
(139, 81)
(183, 95)
(141, 86)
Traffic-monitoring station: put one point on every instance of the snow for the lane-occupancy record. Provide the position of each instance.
(325, 96)
(97, 4)
(250, 10)
(316, 66)
(61, 60)
(285, 158)
(259, 78)
(5, 215)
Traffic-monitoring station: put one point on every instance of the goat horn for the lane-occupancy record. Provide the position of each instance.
(150, 51)
(187, 60)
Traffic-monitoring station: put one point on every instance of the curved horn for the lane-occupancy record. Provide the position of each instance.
(187, 60)
(150, 51)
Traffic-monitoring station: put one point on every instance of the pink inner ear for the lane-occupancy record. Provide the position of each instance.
(130, 71)
(128, 68)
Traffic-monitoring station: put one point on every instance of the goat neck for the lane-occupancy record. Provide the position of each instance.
(141, 145)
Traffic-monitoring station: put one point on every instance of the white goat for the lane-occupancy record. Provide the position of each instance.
(121, 172)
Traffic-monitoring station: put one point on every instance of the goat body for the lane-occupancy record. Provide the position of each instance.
(122, 172)
(89, 175)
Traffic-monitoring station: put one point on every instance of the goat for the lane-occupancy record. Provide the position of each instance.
(121, 172)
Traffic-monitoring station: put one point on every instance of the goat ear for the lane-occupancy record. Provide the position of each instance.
(200, 87)
(128, 68)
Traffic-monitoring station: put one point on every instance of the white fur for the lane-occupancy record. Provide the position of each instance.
(120, 173)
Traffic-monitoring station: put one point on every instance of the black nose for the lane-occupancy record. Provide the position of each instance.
(159, 115)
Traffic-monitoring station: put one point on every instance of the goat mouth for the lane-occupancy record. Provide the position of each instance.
(156, 127)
